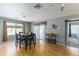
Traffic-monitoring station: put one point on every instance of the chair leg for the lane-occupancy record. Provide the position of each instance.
(30, 44)
(34, 43)
(16, 43)
(25, 44)
(19, 44)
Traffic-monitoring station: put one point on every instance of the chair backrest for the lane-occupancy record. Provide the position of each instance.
(21, 34)
(17, 36)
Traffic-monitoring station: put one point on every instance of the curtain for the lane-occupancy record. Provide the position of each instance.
(69, 30)
(4, 31)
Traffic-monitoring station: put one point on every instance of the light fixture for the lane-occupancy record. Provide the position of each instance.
(37, 6)
(62, 7)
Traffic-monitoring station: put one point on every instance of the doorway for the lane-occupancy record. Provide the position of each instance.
(72, 36)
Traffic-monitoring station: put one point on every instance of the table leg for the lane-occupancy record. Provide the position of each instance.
(30, 44)
(25, 44)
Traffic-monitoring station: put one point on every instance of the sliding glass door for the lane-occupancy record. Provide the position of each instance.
(36, 30)
(42, 32)
(39, 30)
(12, 29)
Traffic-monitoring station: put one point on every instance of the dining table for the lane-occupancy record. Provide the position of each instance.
(29, 39)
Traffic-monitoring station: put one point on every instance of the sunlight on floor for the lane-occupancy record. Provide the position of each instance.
(10, 49)
(73, 50)
(42, 46)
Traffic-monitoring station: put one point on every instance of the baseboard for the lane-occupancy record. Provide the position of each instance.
(60, 44)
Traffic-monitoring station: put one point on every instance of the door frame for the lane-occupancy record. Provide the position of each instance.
(66, 21)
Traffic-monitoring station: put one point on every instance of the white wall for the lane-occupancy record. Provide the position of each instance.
(60, 31)
(27, 27)
(1, 30)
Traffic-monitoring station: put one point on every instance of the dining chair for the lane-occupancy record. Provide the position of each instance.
(17, 39)
(20, 40)
(32, 40)
(21, 34)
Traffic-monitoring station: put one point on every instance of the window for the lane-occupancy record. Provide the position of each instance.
(74, 30)
(13, 31)
(19, 25)
(13, 28)
(9, 31)
(10, 24)
(19, 30)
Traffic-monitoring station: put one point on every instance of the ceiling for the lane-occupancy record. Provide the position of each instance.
(17, 11)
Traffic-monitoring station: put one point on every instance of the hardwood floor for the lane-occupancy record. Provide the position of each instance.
(73, 42)
(42, 49)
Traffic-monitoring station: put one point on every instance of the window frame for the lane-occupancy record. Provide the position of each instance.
(14, 26)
